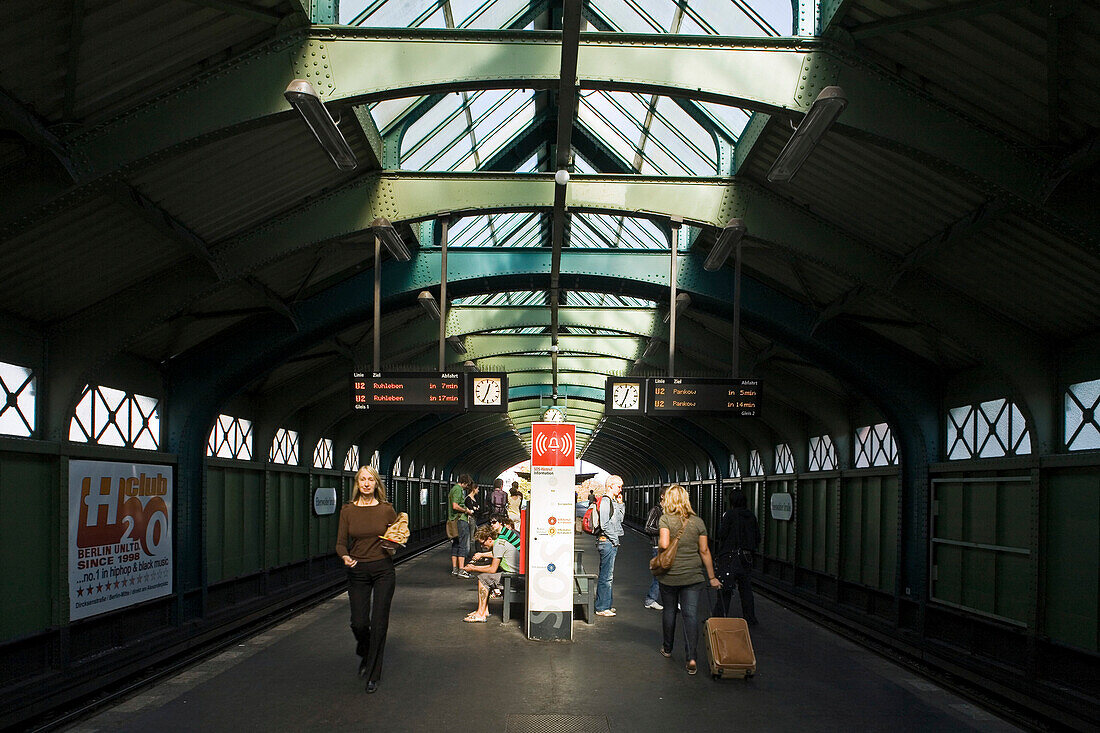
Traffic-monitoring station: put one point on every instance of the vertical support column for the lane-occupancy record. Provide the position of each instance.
(674, 241)
(377, 364)
(444, 225)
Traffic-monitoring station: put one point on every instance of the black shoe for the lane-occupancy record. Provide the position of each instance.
(363, 669)
(372, 687)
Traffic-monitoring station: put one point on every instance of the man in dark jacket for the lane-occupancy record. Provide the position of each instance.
(653, 596)
(738, 538)
(498, 499)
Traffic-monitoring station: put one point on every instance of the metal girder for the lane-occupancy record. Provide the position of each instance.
(466, 319)
(355, 65)
(569, 391)
(932, 16)
(572, 379)
(489, 346)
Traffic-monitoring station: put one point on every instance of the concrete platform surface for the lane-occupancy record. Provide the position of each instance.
(442, 674)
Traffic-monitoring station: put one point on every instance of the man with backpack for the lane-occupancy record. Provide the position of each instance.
(498, 499)
(610, 510)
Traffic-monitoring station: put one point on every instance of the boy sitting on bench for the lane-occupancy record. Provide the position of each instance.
(503, 558)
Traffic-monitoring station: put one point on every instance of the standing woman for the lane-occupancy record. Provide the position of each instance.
(363, 521)
(684, 580)
(514, 498)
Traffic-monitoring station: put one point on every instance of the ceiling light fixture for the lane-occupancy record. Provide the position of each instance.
(303, 97)
(731, 234)
(561, 177)
(456, 343)
(683, 300)
(470, 365)
(427, 302)
(823, 112)
(383, 229)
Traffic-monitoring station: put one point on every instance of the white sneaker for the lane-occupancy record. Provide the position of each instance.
(654, 605)
(462, 574)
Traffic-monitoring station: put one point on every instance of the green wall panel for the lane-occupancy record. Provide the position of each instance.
(779, 535)
(1072, 558)
(817, 527)
(868, 530)
(990, 573)
(234, 522)
(29, 504)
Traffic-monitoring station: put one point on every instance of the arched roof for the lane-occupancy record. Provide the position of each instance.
(171, 222)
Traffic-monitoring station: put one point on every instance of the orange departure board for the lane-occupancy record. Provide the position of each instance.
(437, 392)
(729, 397)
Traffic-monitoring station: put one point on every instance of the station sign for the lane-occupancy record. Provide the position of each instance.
(324, 500)
(434, 391)
(682, 397)
(782, 507)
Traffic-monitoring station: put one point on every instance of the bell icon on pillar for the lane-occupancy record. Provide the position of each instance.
(554, 445)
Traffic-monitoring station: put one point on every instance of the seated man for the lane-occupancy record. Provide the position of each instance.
(503, 558)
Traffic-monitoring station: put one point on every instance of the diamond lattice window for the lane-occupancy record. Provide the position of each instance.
(822, 454)
(284, 447)
(351, 460)
(735, 467)
(875, 446)
(784, 461)
(108, 416)
(1082, 430)
(231, 437)
(756, 464)
(17, 400)
(322, 453)
(987, 430)
(375, 460)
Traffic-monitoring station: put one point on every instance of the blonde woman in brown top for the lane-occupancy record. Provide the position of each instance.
(363, 521)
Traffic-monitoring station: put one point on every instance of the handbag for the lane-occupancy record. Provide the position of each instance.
(452, 528)
(660, 564)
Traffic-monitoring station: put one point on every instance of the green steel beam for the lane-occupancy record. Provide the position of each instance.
(354, 65)
(496, 345)
(566, 364)
(470, 319)
(572, 379)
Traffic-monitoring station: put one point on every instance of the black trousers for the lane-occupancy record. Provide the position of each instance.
(744, 589)
(370, 590)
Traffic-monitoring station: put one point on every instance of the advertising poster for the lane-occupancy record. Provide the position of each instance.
(550, 523)
(120, 535)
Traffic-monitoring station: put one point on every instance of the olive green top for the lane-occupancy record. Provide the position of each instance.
(687, 568)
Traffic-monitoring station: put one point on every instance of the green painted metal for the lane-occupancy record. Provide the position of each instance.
(374, 139)
(499, 345)
(1071, 558)
(475, 319)
(234, 522)
(355, 65)
(868, 531)
(566, 364)
(32, 561)
(572, 379)
(981, 545)
(780, 536)
(818, 503)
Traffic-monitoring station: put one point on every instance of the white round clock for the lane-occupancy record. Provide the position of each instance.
(626, 395)
(487, 391)
(553, 414)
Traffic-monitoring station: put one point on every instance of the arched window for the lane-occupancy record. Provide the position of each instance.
(756, 465)
(874, 446)
(987, 430)
(322, 453)
(231, 437)
(735, 467)
(784, 461)
(822, 454)
(351, 460)
(17, 400)
(107, 416)
(284, 447)
(1082, 431)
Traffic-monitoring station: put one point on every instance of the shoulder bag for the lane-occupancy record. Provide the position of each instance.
(660, 564)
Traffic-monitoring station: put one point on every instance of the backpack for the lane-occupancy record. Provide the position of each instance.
(499, 501)
(590, 523)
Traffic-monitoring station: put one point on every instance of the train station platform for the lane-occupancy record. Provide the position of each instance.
(442, 674)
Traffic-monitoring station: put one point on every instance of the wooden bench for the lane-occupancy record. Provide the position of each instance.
(584, 593)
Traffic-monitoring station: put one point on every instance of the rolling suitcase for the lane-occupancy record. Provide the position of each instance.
(729, 648)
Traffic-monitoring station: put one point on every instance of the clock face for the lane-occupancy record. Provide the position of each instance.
(626, 395)
(487, 391)
(553, 414)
